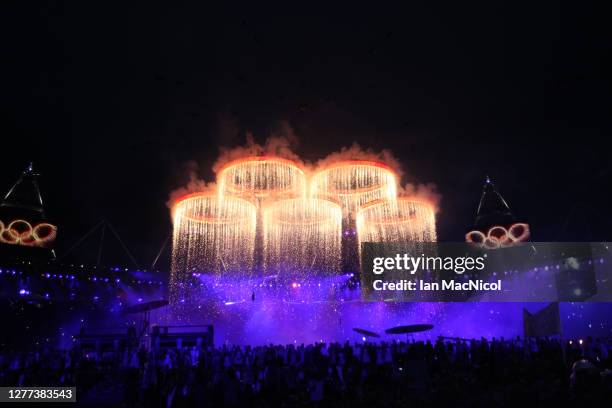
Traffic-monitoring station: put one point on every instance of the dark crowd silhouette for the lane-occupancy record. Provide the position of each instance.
(457, 372)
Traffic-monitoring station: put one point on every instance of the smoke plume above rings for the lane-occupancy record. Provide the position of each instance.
(283, 143)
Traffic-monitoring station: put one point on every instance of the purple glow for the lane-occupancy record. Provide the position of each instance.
(263, 311)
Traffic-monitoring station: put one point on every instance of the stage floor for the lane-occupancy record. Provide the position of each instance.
(268, 311)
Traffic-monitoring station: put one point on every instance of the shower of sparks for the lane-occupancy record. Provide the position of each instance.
(261, 178)
(212, 235)
(302, 237)
(260, 228)
(261, 210)
(354, 183)
(400, 220)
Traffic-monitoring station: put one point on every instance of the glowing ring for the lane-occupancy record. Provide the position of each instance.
(28, 241)
(381, 184)
(498, 236)
(51, 232)
(360, 163)
(180, 210)
(235, 162)
(21, 232)
(523, 236)
(469, 237)
(500, 233)
(399, 220)
(491, 242)
(295, 188)
(399, 205)
(15, 232)
(7, 238)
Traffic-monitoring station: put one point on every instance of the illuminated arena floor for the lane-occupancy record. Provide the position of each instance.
(327, 309)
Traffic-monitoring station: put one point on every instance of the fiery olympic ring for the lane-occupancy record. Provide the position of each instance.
(21, 232)
(499, 236)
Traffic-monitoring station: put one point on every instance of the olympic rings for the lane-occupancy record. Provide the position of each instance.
(21, 232)
(498, 236)
(523, 232)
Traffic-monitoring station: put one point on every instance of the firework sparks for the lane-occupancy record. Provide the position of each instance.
(302, 236)
(262, 177)
(212, 235)
(355, 183)
(400, 220)
(260, 220)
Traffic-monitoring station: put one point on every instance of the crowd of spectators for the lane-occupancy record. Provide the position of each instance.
(458, 372)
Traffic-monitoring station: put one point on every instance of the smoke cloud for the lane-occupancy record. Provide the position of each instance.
(194, 185)
(281, 143)
(356, 152)
(426, 192)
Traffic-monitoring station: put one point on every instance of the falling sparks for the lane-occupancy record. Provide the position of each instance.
(400, 220)
(302, 237)
(261, 180)
(259, 208)
(212, 235)
(258, 225)
(260, 217)
(354, 183)
(262, 177)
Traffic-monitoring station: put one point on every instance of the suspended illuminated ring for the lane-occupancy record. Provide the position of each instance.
(233, 188)
(491, 242)
(499, 236)
(522, 236)
(180, 209)
(22, 232)
(386, 180)
(399, 204)
(39, 232)
(415, 219)
(20, 229)
(389, 172)
(5, 236)
(475, 237)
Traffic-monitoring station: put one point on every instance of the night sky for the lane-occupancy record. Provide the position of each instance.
(112, 104)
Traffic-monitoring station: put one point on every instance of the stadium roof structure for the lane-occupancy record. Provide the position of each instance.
(22, 213)
(492, 209)
(25, 193)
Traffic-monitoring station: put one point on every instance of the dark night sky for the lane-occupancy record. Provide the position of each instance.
(111, 103)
